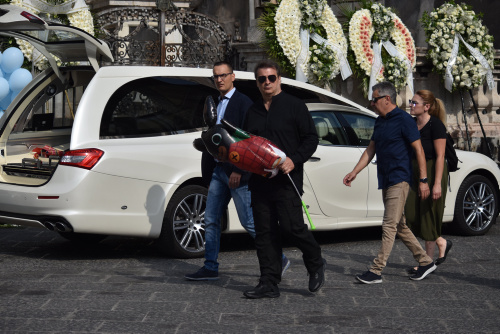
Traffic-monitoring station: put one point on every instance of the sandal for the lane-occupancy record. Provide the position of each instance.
(411, 271)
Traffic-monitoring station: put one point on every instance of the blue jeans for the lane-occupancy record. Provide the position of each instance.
(219, 195)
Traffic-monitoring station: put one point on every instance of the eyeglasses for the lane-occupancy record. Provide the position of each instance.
(272, 78)
(375, 99)
(413, 103)
(223, 76)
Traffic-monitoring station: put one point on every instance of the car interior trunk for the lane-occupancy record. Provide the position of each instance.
(37, 129)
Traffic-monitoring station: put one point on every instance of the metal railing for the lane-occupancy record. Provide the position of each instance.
(191, 39)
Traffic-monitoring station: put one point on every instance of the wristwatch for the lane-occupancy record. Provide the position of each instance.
(424, 180)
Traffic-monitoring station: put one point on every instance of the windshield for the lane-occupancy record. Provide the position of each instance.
(51, 36)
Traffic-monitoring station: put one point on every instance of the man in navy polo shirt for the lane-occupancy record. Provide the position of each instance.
(394, 136)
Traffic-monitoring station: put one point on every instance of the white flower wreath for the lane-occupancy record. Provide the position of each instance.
(360, 35)
(362, 28)
(320, 63)
(288, 21)
(81, 18)
(464, 65)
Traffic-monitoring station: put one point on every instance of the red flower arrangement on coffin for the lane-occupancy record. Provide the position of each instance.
(46, 151)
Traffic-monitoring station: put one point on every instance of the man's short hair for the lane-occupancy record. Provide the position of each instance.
(386, 88)
(267, 64)
(223, 62)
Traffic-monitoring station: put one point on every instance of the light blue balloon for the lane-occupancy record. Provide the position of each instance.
(19, 79)
(4, 88)
(12, 59)
(13, 96)
(5, 102)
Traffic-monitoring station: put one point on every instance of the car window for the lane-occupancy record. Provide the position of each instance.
(249, 88)
(328, 128)
(50, 111)
(155, 106)
(51, 36)
(362, 126)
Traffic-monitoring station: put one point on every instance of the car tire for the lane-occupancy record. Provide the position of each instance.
(183, 230)
(476, 206)
(83, 238)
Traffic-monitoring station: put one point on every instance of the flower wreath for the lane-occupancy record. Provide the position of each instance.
(81, 18)
(379, 24)
(463, 65)
(287, 37)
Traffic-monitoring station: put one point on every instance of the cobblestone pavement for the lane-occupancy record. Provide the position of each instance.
(122, 285)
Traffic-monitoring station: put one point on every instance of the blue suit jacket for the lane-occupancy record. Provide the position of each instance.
(235, 114)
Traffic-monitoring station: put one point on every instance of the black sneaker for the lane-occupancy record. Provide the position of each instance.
(317, 279)
(369, 278)
(203, 274)
(263, 290)
(423, 271)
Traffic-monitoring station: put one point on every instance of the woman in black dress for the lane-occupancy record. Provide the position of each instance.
(425, 217)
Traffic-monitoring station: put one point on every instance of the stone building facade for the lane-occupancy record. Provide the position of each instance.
(238, 21)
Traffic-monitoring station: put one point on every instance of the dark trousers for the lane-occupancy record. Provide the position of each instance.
(277, 213)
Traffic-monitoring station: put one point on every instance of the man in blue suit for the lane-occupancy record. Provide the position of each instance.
(225, 180)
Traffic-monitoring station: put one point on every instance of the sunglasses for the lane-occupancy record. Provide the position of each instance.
(375, 99)
(272, 78)
(223, 76)
(413, 103)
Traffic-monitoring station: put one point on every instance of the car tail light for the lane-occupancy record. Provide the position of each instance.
(86, 158)
(32, 18)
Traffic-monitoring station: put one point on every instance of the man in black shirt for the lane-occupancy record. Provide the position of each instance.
(286, 121)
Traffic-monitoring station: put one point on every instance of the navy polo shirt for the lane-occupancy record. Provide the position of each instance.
(393, 135)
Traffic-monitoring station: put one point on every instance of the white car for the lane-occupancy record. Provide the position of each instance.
(91, 151)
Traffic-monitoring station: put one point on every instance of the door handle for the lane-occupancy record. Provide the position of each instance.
(314, 159)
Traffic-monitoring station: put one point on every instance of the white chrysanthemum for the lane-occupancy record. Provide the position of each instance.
(288, 20)
(360, 35)
(361, 31)
(404, 41)
(446, 21)
(83, 20)
(290, 16)
(335, 36)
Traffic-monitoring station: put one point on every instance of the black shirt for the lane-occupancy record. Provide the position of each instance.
(289, 125)
(434, 129)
